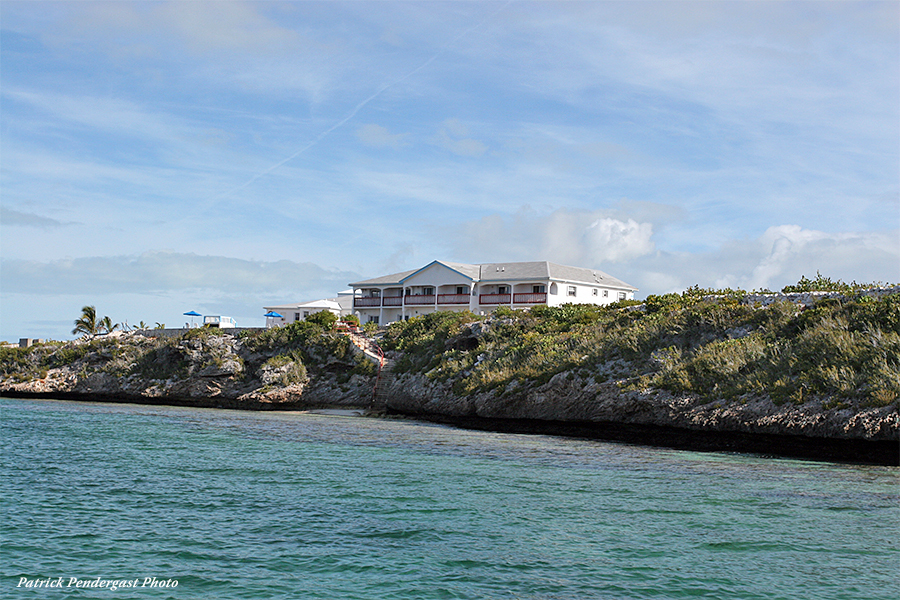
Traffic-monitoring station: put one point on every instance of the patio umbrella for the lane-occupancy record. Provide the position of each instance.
(192, 314)
(272, 315)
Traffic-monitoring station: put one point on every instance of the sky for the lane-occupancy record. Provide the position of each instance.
(163, 157)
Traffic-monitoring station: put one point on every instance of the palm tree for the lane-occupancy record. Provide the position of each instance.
(87, 324)
(106, 325)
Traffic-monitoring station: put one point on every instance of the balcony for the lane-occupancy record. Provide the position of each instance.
(367, 302)
(494, 298)
(393, 300)
(533, 298)
(453, 299)
(419, 300)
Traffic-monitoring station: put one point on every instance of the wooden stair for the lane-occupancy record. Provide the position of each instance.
(383, 386)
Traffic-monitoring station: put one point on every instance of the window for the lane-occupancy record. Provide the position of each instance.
(305, 313)
(373, 319)
(606, 293)
(461, 290)
(621, 295)
(502, 289)
(429, 291)
(570, 291)
(296, 316)
(594, 291)
(538, 289)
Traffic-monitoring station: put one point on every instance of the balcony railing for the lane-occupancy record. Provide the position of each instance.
(494, 298)
(453, 298)
(533, 298)
(418, 300)
(370, 301)
(445, 299)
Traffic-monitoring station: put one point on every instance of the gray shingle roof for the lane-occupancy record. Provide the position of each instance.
(549, 270)
(395, 278)
(519, 271)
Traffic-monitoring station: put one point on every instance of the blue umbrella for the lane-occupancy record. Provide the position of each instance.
(192, 314)
(272, 313)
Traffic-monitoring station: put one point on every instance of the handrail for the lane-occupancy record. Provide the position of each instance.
(366, 344)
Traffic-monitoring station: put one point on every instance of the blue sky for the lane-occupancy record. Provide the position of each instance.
(161, 157)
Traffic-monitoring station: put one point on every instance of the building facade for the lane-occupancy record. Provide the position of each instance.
(481, 289)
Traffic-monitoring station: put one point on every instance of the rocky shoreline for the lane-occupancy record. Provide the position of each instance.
(770, 435)
(568, 405)
(230, 372)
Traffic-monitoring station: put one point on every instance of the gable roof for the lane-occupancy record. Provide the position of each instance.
(536, 270)
(468, 271)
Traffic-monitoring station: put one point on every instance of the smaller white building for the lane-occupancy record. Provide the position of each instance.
(291, 313)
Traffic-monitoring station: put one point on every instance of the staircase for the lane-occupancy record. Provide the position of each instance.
(385, 376)
(383, 385)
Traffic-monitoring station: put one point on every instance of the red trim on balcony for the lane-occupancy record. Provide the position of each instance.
(531, 298)
(494, 298)
(366, 302)
(453, 298)
(392, 300)
(419, 300)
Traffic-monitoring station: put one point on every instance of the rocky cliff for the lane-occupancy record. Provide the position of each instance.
(203, 367)
(820, 383)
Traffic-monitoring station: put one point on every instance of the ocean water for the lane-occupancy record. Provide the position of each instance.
(252, 505)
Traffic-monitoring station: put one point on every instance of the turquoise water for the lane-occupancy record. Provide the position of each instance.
(292, 505)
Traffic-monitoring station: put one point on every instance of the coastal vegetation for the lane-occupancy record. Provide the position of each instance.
(251, 359)
(703, 343)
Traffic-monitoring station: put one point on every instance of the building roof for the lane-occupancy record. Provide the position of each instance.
(394, 278)
(518, 271)
(324, 304)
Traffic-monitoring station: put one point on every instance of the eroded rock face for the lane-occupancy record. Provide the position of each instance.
(568, 398)
(213, 370)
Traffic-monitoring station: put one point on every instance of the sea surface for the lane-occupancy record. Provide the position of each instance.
(252, 505)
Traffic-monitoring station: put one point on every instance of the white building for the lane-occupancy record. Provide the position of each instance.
(482, 288)
(289, 313)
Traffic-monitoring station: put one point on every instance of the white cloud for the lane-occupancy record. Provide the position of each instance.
(573, 237)
(377, 136)
(778, 257)
(452, 137)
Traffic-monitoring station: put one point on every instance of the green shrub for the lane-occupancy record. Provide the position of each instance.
(324, 318)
